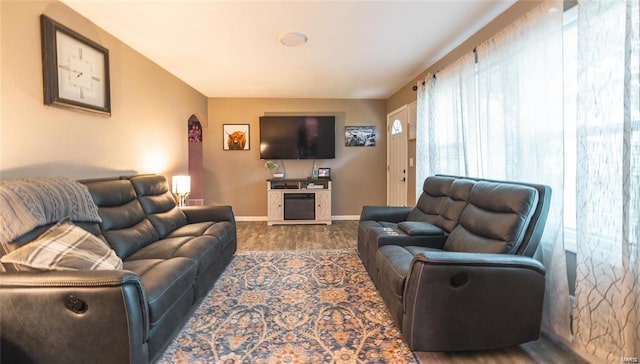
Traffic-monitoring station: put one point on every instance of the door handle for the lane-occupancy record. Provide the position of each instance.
(404, 179)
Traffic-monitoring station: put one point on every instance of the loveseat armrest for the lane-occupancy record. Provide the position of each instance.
(196, 214)
(472, 301)
(479, 259)
(393, 214)
(73, 317)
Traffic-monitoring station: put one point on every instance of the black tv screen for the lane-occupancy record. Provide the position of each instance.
(297, 137)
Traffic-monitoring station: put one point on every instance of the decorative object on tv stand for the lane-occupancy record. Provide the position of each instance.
(360, 136)
(324, 172)
(314, 171)
(75, 69)
(235, 137)
(271, 166)
(181, 187)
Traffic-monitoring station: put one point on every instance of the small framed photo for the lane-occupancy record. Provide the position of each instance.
(359, 136)
(235, 137)
(324, 172)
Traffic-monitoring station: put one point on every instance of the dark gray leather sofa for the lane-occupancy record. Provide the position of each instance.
(172, 257)
(456, 271)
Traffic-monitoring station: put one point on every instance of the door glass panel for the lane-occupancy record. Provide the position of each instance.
(396, 127)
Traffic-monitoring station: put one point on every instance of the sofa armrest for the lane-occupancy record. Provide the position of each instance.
(394, 214)
(472, 301)
(479, 260)
(197, 214)
(73, 317)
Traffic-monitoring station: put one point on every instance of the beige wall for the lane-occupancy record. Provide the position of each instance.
(238, 178)
(147, 131)
(406, 95)
(150, 107)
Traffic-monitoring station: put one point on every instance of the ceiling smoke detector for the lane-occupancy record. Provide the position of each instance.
(293, 39)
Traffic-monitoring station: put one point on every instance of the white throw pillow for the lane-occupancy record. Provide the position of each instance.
(64, 246)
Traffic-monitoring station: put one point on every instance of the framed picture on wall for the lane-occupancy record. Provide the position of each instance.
(235, 137)
(359, 136)
(75, 69)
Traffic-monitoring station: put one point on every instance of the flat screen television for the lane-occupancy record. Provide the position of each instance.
(297, 137)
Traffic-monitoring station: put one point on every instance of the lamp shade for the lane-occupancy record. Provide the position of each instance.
(181, 184)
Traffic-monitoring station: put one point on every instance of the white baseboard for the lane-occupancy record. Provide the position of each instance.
(251, 218)
(264, 218)
(346, 217)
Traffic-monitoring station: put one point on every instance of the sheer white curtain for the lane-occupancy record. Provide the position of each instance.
(522, 134)
(504, 121)
(608, 174)
(452, 111)
(424, 115)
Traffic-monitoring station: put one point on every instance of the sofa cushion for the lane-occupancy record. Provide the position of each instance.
(110, 193)
(224, 231)
(165, 282)
(64, 246)
(203, 250)
(435, 191)
(454, 204)
(124, 224)
(393, 264)
(495, 219)
(158, 203)
(419, 228)
(129, 240)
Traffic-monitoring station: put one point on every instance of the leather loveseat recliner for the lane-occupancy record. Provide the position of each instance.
(457, 270)
(171, 258)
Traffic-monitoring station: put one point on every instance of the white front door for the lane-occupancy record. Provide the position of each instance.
(397, 157)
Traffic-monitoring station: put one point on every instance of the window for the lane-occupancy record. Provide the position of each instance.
(396, 127)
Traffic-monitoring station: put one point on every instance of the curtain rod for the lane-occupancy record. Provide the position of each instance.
(414, 88)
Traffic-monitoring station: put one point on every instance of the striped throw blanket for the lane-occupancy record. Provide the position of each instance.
(31, 202)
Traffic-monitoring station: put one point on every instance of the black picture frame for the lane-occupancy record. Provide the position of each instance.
(51, 70)
(360, 136)
(324, 172)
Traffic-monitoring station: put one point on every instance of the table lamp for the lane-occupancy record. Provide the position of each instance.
(181, 189)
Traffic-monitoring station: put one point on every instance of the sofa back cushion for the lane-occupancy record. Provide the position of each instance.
(124, 224)
(495, 219)
(158, 203)
(442, 201)
(454, 204)
(435, 192)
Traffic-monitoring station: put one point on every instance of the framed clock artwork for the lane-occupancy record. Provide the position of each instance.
(75, 69)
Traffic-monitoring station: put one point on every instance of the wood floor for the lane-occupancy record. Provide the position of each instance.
(255, 236)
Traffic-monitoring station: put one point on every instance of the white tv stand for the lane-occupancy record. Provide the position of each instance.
(298, 201)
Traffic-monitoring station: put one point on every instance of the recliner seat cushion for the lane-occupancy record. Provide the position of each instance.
(393, 264)
(222, 230)
(203, 250)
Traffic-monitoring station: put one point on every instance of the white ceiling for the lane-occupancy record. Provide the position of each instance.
(356, 49)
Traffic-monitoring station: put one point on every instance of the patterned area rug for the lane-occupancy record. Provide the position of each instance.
(316, 306)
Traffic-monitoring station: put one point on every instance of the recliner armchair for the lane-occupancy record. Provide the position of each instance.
(457, 271)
